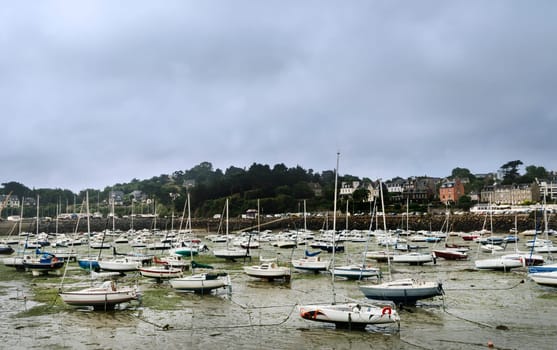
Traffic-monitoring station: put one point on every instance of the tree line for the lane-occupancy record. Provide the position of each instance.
(276, 189)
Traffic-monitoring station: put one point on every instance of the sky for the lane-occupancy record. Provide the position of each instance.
(94, 93)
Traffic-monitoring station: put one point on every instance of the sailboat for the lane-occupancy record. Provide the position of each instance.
(172, 265)
(311, 261)
(501, 263)
(347, 315)
(548, 278)
(201, 283)
(103, 297)
(268, 269)
(403, 291)
(450, 252)
(43, 262)
(231, 253)
(358, 271)
(17, 261)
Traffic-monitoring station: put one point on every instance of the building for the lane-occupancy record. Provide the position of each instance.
(117, 197)
(420, 189)
(511, 194)
(347, 188)
(549, 189)
(451, 191)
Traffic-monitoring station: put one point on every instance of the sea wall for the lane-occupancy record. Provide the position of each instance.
(458, 223)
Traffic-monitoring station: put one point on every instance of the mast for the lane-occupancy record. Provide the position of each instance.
(37, 214)
(226, 223)
(385, 228)
(258, 219)
(334, 229)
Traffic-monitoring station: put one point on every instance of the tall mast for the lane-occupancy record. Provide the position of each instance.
(334, 229)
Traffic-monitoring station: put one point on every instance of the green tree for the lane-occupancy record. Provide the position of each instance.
(510, 171)
(532, 173)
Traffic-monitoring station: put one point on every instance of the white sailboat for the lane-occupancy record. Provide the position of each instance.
(358, 271)
(347, 315)
(103, 297)
(544, 278)
(231, 253)
(268, 269)
(402, 291)
(501, 263)
(201, 283)
(310, 261)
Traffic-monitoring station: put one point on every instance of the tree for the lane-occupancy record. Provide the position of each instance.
(532, 173)
(462, 173)
(510, 171)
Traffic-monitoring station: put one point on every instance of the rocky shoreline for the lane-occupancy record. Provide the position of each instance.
(459, 223)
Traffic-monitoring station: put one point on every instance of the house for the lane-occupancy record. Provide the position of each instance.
(451, 191)
(347, 188)
(11, 201)
(420, 189)
(117, 197)
(511, 194)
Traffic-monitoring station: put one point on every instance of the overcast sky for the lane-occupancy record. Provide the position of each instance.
(94, 93)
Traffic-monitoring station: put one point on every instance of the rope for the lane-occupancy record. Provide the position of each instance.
(505, 288)
(167, 327)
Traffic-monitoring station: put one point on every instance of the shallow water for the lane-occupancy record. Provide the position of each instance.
(479, 306)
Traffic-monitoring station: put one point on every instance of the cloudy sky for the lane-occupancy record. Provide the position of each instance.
(94, 93)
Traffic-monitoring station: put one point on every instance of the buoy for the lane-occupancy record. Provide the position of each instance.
(489, 344)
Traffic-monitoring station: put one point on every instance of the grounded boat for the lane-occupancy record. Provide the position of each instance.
(499, 263)
(269, 270)
(6, 249)
(356, 272)
(172, 260)
(15, 261)
(161, 272)
(542, 268)
(231, 253)
(349, 315)
(124, 264)
(311, 262)
(42, 263)
(527, 259)
(450, 254)
(104, 297)
(413, 258)
(380, 255)
(544, 278)
(89, 263)
(404, 291)
(201, 283)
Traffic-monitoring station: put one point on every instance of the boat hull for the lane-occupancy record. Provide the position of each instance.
(161, 272)
(545, 278)
(268, 273)
(356, 272)
(99, 297)
(349, 315)
(201, 283)
(448, 254)
(312, 263)
(405, 292)
(231, 254)
(497, 264)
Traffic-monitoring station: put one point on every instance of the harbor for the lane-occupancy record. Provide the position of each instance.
(479, 309)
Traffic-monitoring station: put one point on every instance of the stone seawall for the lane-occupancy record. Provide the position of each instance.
(458, 223)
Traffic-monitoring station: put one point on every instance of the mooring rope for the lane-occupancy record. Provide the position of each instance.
(473, 288)
(167, 327)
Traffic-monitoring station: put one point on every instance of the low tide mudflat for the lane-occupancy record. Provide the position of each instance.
(506, 309)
